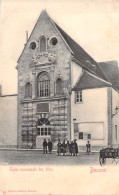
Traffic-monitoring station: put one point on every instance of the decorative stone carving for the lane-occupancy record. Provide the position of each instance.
(58, 73)
(43, 58)
(28, 79)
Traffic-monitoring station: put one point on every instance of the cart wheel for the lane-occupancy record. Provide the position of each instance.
(102, 161)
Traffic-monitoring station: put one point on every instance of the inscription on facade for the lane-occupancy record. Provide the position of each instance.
(43, 107)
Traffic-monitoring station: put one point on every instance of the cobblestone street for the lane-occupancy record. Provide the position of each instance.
(37, 157)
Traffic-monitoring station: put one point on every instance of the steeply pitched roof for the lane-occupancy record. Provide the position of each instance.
(88, 81)
(82, 57)
(87, 62)
(111, 71)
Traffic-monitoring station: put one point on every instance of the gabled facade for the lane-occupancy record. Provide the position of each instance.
(62, 91)
(43, 86)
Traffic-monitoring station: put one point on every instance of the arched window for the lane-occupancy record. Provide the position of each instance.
(43, 127)
(28, 90)
(43, 85)
(59, 86)
(42, 44)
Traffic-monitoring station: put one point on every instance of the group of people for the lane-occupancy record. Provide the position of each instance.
(70, 148)
(47, 145)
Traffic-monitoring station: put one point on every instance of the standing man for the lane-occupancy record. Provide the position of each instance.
(88, 147)
(45, 146)
(59, 147)
(75, 148)
(67, 148)
(49, 146)
(64, 147)
(71, 148)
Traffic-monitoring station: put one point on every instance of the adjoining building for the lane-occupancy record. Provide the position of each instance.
(8, 121)
(63, 93)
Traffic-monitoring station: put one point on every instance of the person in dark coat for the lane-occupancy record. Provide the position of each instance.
(49, 146)
(45, 146)
(68, 148)
(59, 147)
(75, 148)
(64, 147)
(88, 147)
(71, 148)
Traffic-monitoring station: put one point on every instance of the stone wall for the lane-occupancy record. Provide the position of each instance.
(56, 62)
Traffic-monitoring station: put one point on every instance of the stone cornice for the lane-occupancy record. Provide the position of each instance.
(43, 99)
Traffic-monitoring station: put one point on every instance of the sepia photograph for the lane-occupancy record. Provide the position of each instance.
(59, 97)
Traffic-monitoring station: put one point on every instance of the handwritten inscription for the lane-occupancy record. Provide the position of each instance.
(94, 170)
(31, 169)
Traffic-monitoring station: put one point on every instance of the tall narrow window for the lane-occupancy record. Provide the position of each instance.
(80, 135)
(28, 90)
(89, 136)
(43, 85)
(78, 96)
(59, 86)
(42, 44)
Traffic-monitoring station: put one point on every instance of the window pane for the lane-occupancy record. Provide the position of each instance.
(78, 96)
(80, 135)
(43, 85)
(38, 131)
(41, 131)
(43, 44)
(45, 131)
(89, 136)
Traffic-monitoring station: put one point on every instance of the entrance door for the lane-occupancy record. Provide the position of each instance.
(43, 131)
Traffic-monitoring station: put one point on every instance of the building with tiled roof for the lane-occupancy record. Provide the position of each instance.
(63, 93)
(111, 71)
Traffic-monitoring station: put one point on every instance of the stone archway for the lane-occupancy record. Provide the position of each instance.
(43, 131)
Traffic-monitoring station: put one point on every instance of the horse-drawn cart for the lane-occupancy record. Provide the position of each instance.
(108, 153)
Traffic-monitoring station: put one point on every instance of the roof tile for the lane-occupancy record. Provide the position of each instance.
(88, 81)
(82, 56)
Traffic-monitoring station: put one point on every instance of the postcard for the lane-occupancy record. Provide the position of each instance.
(59, 97)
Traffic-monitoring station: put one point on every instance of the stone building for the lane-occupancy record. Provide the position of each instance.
(63, 93)
(44, 86)
(8, 121)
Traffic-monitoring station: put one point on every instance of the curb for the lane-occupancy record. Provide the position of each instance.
(17, 149)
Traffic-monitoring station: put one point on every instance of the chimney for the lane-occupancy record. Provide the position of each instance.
(0, 90)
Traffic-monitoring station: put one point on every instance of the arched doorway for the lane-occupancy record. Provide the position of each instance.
(43, 131)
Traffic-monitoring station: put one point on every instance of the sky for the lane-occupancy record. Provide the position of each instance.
(93, 24)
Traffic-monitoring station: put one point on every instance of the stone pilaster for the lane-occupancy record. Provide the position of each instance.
(34, 83)
(52, 87)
